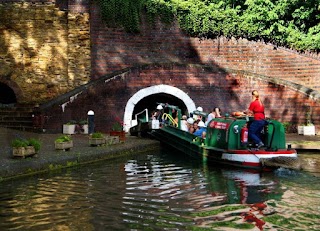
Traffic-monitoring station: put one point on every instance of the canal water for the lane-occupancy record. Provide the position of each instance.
(161, 191)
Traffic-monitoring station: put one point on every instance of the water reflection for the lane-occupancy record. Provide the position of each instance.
(161, 191)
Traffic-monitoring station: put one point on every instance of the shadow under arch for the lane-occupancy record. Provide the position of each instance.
(157, 89)
(7, 95)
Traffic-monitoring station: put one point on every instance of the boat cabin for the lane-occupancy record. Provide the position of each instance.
(228, 132)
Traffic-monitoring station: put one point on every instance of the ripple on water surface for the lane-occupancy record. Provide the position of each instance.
(158, 192)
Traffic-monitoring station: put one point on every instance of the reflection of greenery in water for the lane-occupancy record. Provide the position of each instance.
(295, 200)
(224, 216)
(219, 211)
(232, 224)
(302, 221)
(280, 221)
(299, 208)
(154, 192)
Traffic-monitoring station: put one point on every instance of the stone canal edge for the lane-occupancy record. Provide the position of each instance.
(82, 153)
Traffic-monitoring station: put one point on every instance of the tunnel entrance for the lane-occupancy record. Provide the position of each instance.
(7, 95)
(151, 102)
(149, 97)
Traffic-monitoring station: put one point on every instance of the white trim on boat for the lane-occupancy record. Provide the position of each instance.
(253, 158)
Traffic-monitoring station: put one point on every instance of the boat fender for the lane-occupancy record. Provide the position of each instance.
(244, 136)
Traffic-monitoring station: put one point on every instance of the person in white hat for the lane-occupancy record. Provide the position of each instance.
(198, 117)
(190, 122)
(202, 129)
(157, 115)
(200, 109)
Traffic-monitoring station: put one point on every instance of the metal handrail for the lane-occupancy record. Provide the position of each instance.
(166, 116)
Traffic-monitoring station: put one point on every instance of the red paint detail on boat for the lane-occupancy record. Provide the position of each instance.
(219, 125)
(261, 152)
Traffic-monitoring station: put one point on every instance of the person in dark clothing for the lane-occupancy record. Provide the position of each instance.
(90, 122)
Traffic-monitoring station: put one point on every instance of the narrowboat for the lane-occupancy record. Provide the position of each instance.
(226, 141)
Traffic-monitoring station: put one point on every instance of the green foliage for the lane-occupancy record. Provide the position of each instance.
(83, 122)
(35, 143)
(72, 122)
(127, 13)
(286, 126)
(293, 23)
(97, 135)
(17, 143)
(117, 126)
(63, 138)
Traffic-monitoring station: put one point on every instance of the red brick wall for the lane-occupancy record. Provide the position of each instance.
(207, 86)
(113, 49)
(224, 72)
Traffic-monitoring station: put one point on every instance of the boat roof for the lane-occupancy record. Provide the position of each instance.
(168, 105)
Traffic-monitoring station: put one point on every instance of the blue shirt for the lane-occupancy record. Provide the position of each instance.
(200, 131)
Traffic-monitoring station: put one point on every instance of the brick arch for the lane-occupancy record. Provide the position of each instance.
(162, 88)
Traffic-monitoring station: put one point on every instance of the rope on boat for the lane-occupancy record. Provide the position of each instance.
(282, 161)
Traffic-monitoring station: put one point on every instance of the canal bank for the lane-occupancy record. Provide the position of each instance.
(82, 153)
(49, 159)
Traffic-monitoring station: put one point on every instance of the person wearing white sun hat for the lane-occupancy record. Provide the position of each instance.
(202, 129)
(190, 122)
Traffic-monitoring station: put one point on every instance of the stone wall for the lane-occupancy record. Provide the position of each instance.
(44, 51)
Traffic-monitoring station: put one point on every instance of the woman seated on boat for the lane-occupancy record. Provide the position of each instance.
(184, 123)
(200, 129)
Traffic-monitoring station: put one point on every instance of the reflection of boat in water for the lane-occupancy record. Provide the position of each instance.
(249, 187)
(198, 191)
(226, 141)
(238, 193)
(251, 178)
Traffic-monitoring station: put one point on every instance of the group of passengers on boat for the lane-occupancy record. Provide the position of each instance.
(196, 123)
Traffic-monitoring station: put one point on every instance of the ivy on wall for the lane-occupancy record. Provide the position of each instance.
(294, 23)
(127, 13)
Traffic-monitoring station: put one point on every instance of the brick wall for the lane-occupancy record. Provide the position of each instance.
(113, 49)
(48, 48)
(208, 86)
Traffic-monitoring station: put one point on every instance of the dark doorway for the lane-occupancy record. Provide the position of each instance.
(7, 95)
(151, 102)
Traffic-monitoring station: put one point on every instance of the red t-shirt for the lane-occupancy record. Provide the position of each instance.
(258, 109)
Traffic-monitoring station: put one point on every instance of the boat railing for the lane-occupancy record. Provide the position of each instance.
(169, 117)
(142, 116)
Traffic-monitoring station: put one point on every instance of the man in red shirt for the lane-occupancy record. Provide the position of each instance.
(257, 109)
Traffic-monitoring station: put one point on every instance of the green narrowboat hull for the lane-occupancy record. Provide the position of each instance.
(229, 151)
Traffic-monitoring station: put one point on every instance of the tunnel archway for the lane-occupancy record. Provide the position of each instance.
(152, 101)
(7, 95)
(150, 96)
